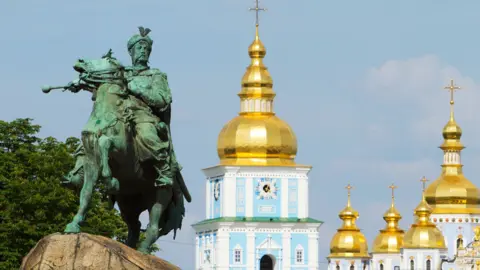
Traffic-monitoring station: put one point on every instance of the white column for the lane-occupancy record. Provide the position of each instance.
(250, 248)
(302, 198)
(287, 248)
(313, 251)
(222, 250)
(249, 196)
(306, 197)
(388, 263)
(208, 200)
(229, 195)
(197, 252)
(284, 203)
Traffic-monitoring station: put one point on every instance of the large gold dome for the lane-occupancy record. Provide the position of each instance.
(257, 140)
(349, 241)
(452, 192)
(257, 136)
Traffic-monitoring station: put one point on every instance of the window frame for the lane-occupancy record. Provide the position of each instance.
(300, 249)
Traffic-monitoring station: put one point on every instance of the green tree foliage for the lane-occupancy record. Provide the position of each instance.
(33, 203)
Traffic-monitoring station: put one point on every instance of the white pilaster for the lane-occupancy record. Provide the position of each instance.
(313, 251)
(249, 196)
(222, 250)
(287, 248)
(229, 196)
(306, 213)
(250, 252)
(197, 252)
(302, 198)
(208, 201)
(284, 203)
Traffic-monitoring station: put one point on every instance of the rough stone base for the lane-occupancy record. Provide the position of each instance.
(88, 252)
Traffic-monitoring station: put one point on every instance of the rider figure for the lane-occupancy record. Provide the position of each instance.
(150, 100)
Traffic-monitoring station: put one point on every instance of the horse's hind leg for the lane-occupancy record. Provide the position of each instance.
(162, 200)
(91, 176)
(105, 145)
(130, 214)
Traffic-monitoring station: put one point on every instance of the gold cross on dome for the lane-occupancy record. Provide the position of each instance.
(452, 88)
(257, 9)
(349, 188)
(424, 181)
(393, 187)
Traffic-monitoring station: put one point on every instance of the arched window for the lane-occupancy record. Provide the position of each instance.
(352, 267)
(337, 267)
(381, 266)
(237, 255)
(429, 265)
(412, 265)
(299, 255)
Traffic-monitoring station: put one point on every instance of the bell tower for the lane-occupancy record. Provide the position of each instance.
(257, 196)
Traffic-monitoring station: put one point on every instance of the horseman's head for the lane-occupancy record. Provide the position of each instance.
(139, 47)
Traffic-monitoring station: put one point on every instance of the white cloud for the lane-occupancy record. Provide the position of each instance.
(416, 86)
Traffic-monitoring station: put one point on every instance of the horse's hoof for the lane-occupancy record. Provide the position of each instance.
(72, 228)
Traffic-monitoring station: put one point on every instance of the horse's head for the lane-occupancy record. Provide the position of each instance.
(99, 71)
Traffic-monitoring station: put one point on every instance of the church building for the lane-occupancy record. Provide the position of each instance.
(257, 213)
(446, 230)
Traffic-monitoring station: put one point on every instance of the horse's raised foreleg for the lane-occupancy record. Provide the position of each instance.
(162, 200)
(91, 176)
(105, 145)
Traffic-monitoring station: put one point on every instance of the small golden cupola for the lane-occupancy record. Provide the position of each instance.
(423, 233)
(452, 192)
(349, 241)
(257, 136)
(390, 239)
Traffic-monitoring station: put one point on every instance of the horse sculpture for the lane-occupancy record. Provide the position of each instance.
(109, 144)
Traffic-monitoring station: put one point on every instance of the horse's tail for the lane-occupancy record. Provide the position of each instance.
(183, 186)
(173, 216)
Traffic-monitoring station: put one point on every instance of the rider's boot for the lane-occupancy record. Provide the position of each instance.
(165, 175)
(76, 175)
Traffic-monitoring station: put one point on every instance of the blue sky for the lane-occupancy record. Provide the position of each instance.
(360, 82)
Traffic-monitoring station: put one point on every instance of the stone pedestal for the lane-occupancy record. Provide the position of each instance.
(84, 252)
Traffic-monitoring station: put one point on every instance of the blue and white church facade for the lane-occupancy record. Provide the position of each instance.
(257, 216)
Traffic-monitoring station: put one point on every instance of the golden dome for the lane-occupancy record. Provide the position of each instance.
(423, 233)
(348, 242)
(452, 192)
(390, 239)
(452, 131)
(257, 136)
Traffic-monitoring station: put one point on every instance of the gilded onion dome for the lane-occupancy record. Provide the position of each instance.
(349, 241)
(257, 136)
(423, 233)
(452, 192)
(390, 239)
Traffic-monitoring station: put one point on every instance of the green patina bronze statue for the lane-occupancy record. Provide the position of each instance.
(127, 143)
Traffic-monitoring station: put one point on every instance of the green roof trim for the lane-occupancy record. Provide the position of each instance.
(258, 219)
